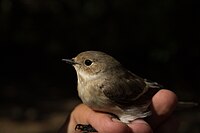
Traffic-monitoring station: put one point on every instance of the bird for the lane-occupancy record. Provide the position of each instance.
(105, 85)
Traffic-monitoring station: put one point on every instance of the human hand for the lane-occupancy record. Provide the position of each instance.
(161, 120)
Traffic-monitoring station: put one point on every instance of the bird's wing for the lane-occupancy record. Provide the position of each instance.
(128, 89)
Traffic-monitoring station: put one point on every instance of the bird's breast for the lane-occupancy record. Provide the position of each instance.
(92, 95)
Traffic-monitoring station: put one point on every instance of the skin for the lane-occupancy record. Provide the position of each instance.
(161, 120)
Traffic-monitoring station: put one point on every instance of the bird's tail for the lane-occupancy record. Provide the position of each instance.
(184, 104)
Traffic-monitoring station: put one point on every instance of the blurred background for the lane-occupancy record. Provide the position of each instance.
(155, 40)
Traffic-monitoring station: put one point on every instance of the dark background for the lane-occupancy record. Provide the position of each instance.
(156, 40)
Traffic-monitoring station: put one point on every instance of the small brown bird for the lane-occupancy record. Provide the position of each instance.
(105, 85)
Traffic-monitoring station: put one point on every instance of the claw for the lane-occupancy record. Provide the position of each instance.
(85, 128)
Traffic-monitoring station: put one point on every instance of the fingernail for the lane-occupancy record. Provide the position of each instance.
(139, 121)
(140, 125)
(115, 119)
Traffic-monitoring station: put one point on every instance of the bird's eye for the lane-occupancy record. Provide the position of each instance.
(88, 62)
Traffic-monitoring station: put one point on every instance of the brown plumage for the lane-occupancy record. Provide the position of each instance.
(105, 85)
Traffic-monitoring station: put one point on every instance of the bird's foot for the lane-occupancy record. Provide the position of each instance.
(85, 128)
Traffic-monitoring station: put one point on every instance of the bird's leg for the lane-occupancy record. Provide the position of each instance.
(85, 128)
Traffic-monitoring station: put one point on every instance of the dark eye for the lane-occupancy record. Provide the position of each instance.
(88, 62)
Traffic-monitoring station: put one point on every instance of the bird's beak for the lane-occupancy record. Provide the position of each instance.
(70, 61)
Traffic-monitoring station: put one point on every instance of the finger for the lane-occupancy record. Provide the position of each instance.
(163, 104)
(78, 116)
(81, 113)
(140, 126)
(106, 123)
(102, 122)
